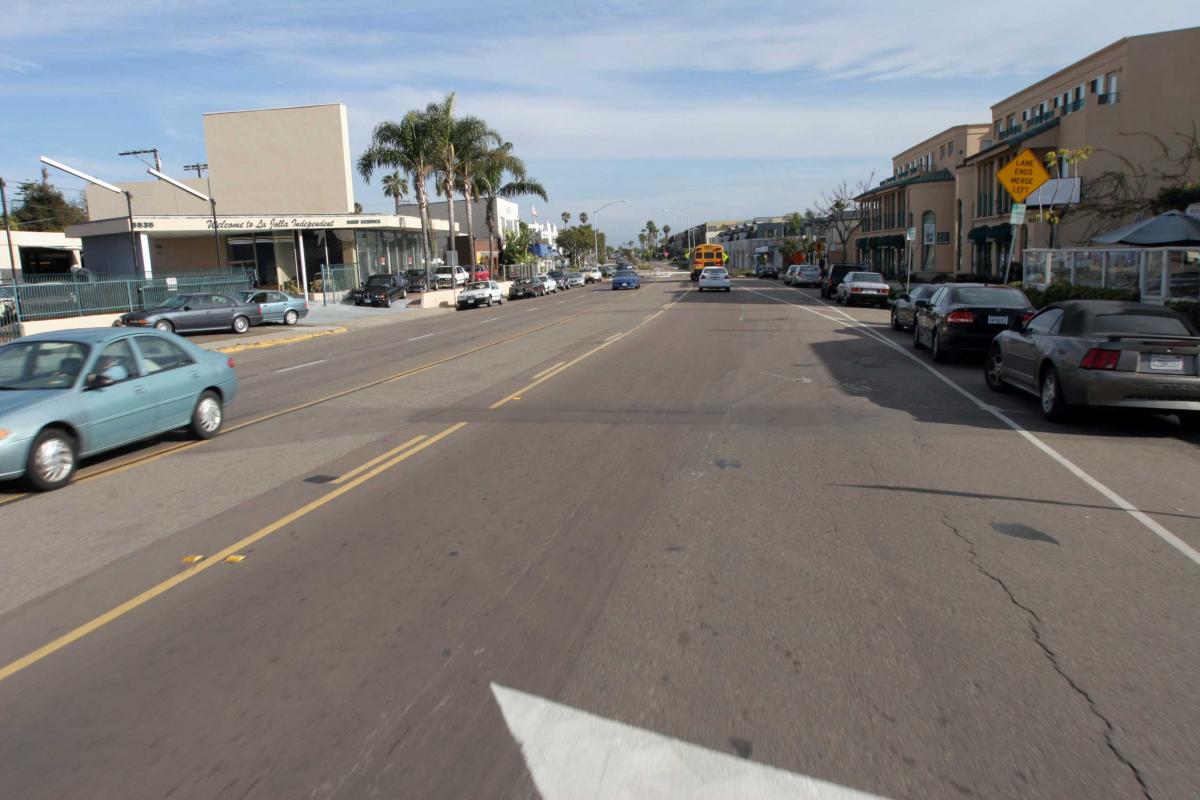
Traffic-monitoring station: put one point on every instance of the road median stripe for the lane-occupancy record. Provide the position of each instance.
(141, 599)
(548, 370)
(384, 457)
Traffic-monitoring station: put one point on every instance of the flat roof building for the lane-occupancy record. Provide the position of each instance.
(282, 182)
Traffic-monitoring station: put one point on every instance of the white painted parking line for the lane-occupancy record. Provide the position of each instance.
(302, 366)
(571, 753)
(486, 321)
(424, 336)
(1120, 502)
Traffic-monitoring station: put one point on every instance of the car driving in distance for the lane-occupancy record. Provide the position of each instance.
(381, 289)
(480, 293)
(277, 306)
(716, 278)
(1102, 353)
(789, 273)
(68, 395)
(767, 271)
(965, 317)
(626, 279)
(863, 288)
(197, 311)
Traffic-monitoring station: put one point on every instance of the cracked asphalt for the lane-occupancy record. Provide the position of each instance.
(746, 523)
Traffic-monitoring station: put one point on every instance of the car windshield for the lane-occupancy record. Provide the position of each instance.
(524, 281)
(868, 277)
(444, 271)
(997, 296)
(626, 273)
(177, 301)
(555, 274)
(379, 280)
(480, 285)
(41, 365)
(1150, 324)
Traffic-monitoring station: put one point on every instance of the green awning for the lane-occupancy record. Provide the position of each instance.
(979, 234)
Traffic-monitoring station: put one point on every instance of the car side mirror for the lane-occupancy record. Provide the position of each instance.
(187, 308)
(921, 304)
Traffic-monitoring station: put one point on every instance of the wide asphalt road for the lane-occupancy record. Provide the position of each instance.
(638, 544)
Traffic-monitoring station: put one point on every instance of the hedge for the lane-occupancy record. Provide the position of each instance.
(1189, 308)
(1061, 290)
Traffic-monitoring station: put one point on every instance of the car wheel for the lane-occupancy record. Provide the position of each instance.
(52, 460)
(936, 352)
(387, 302)
(165, 326)
(917, 345)
(1054, 407)
(728, 289)
(404, 294)
(500, 301)
(896, 326)
(240, 324)
(1190, 421)
(207, 416)
(291, 318)
(993, 373)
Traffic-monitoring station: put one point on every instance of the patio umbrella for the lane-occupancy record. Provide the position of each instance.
(1173, 228)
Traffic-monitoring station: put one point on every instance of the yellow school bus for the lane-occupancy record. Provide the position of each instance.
(706, 255)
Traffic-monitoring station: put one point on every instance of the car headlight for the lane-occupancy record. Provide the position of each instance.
(4, 434)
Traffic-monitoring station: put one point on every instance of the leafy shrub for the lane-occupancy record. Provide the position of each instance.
(1061, 290)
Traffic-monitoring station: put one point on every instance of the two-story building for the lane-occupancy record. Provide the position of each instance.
(1134, 103)
(921, 194)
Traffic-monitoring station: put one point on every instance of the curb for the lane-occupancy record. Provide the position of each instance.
(262, 345)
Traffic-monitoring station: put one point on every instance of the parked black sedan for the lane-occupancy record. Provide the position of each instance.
(904, 306)
(380, 290)
(965, 317)
(196, 312)
(526, 287)
(417, 280)
(1102, 353)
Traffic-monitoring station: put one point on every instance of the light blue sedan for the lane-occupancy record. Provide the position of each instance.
(68, 395)
(277, 306)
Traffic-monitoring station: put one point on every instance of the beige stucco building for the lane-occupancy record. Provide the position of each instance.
(282, 182)
(1125, 102)
(920, 194)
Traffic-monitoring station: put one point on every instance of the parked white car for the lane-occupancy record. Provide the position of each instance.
(551, 284)
(447, 277)
(714, 278)
(481, 293)
(867, 288)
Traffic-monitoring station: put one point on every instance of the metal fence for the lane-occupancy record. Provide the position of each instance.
(1159, 273)
(76, 298)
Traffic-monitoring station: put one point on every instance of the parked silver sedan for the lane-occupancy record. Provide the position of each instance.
(863, 288)
(278, 306)
(1102, 353)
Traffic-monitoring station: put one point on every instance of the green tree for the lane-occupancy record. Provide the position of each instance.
(666, 234)
(408, 145)
(583, 218)
(502, 174)
(516, 247)
(44, 208)
(578, 241)
(395, 186)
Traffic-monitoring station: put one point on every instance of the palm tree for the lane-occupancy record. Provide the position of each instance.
(474, 141)
(456, 140)
(406, 145)
(489, 182)
(395, 186)
(566, 218)
(666, 232)
(651, 232)
(583, 218)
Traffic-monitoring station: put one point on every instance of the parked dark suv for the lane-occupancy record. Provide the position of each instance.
(834, 274)
(380, 290)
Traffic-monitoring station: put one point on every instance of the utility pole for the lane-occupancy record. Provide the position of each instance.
(145, 152)
(12, 251)
(197, 167)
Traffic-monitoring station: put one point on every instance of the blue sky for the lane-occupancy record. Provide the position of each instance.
(720, 110)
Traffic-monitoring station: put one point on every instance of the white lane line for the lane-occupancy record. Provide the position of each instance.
(572, 753)
(302, 366)
(486, 321)
(1114, 498)
(425, 336)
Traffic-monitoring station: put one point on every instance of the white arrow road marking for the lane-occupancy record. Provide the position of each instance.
(571, 753)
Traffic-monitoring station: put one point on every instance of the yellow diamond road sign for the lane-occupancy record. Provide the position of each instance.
(1022, 175)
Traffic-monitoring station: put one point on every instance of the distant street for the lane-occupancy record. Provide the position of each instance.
(467, 556)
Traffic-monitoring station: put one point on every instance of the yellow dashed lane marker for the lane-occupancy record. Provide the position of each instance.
(235, 559)
(232, 550)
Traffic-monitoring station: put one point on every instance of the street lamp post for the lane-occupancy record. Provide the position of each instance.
(595, 236)
(687, 221)
(212, 206)
(104, 185)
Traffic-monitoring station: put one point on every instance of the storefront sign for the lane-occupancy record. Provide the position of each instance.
(198, 224)
(943, 237)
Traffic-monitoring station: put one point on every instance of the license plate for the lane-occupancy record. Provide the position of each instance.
(1167, 363)
(997, 320)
